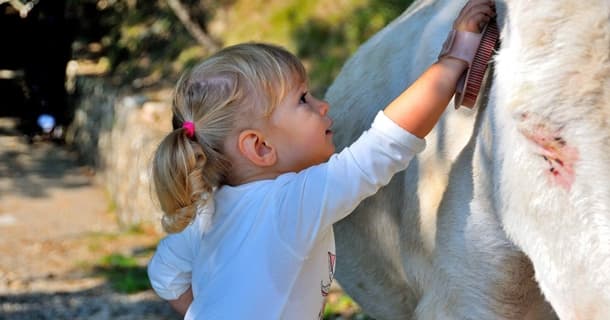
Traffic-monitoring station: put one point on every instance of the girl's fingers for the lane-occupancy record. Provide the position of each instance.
(474, 16)
(486, 9)
(474, 3)
(473, 6)
(479, 21)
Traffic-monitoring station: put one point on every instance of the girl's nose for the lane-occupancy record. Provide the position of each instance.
(323, 107)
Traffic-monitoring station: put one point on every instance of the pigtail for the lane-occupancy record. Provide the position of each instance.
(181, 183)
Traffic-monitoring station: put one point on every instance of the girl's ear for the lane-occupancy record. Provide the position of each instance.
(252, 146)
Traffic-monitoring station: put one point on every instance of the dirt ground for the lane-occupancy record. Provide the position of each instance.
(56, 225)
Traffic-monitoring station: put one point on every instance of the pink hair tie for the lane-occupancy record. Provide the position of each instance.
(189, 127)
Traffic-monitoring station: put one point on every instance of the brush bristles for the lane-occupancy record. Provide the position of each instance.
(479, 64)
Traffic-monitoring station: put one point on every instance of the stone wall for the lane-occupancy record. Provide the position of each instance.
(117, 133)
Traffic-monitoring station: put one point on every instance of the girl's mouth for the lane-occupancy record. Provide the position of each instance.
(329, 130)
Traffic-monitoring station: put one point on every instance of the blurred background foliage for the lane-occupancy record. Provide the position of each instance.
(144, 44)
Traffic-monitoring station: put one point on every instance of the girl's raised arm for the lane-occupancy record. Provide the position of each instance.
(420, 106)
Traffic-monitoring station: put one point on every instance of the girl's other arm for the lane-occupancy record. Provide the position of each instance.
(170, 268)
(420, 106)
(183, 302)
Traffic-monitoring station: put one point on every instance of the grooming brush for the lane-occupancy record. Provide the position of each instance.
(469, 84)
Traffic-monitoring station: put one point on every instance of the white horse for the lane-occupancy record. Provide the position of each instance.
(514, 191)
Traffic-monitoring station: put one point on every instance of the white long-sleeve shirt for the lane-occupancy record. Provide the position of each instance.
(270, 253)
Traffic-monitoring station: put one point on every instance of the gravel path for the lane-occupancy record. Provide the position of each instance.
(55, 227)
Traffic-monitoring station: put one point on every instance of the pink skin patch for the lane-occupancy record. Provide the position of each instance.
(552, 147)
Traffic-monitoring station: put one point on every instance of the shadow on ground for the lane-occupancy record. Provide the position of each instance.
(94, 303)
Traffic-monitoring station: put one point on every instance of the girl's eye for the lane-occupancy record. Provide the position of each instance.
(303, 99)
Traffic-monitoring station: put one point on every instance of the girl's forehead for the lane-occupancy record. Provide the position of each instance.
(297, 75)
(301, 85)
(291, 84)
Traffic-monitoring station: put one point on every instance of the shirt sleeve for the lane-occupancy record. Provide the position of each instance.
(169, 270)
(317, 197)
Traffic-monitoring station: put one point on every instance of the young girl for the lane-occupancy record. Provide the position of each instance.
(250, 185)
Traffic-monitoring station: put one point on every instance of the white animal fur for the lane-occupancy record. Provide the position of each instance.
(555, 66)
(434, 243)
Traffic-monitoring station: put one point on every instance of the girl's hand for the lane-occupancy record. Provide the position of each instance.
(475, 15)
(182, 304)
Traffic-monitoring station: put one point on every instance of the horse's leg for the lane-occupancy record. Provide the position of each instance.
(369, 266)
(478, 272)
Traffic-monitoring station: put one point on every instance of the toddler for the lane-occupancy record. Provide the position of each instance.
(250, 184)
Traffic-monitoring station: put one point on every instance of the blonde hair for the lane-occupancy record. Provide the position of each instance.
(217, 96)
